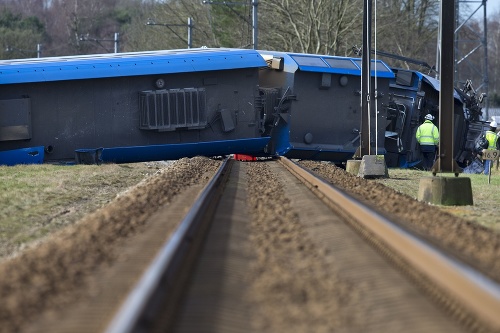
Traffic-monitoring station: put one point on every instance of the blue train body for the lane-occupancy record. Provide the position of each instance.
(323, 120)
(161, 105)
(137, 106)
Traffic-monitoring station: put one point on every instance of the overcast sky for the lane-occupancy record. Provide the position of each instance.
(492, 6)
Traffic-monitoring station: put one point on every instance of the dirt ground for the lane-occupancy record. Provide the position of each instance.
(67, 258)
(48, 275)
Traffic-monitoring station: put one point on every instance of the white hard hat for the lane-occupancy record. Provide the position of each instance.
(429, 117)
(493, 124)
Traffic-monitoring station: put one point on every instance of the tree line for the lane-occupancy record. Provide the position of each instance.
(407, 28)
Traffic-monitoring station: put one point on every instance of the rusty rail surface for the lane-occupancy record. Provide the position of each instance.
(476, 293)
(152, 302)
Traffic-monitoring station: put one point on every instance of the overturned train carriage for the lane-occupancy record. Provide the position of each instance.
(135, 106)
(158, 105)
(321, 104)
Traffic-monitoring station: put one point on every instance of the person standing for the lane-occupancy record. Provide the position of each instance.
(428, 137)
(492, 138)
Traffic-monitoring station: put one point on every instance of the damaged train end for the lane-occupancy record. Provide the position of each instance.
(412, 96)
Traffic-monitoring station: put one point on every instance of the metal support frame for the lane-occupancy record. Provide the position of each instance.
(116, 40)
(255, 3)
(189, 25)
(26, 52)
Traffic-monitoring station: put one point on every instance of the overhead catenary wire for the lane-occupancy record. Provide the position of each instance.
(376, 86)
(368, 81)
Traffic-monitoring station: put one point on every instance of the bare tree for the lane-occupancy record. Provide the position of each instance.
(213, 25)
(318, 26)
(408, 28)
(69, 20)
(27, 7)
(403, 27)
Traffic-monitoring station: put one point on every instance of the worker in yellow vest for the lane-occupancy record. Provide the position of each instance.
(428, 137)
(492, 138)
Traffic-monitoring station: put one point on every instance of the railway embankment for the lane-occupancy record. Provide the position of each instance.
(46, 277)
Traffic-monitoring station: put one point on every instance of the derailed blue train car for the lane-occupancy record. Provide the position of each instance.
(161, 105)
(135, 106)
(414, 95)
(320, 103)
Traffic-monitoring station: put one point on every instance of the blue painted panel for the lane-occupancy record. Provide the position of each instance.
(253, 146)
(436, 84)
(32, 155)
(388, 75)
(330, 70)
(326, 64)
(433, 82)
(280, 139)
(229, 61)
(126, 64)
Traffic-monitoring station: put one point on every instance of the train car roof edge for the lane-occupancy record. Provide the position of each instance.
(331, 64)
(127, 64)
(436, 84)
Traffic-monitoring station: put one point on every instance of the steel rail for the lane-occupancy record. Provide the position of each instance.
(474, 291)
(161, 279)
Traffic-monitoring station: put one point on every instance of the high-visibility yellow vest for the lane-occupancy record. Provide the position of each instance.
(427, 134)
(492, 139)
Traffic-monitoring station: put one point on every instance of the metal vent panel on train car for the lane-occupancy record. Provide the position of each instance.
(168, 110)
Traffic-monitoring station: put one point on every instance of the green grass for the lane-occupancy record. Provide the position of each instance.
(486, 196)
(36, 200)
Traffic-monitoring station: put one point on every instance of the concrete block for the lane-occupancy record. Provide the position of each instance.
(373, 166)
(352, 166)
(446, 191)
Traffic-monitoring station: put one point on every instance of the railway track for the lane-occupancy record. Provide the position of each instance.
(268, 247)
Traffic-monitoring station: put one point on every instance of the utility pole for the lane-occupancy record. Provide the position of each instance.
(445, 161)
(442, 190)
(255, 3)
(366, 80)
(117, 41)
(168, 26)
